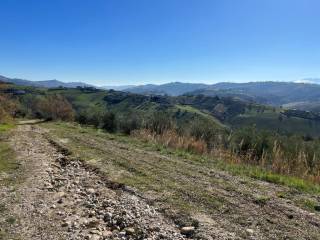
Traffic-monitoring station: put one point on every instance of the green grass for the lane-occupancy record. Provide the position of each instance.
(6, 158)
(191, 109)
(5, 127)
(8, 172)
(310, 204)
(268, 176)
(11, 220)
(261, 200)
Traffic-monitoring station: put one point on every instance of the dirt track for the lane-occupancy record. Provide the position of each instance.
(62, 199)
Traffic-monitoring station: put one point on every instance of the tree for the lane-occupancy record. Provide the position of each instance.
(108, 121)
(55, 107)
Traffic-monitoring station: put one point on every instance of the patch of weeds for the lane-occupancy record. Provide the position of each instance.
(2, 208)
(261, 200)
(11, 220)
(7, 162)
(5, 127)
(283, 195)
(261, 174)
(309, 204)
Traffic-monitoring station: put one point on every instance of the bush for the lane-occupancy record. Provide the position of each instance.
(128, 123)
(159, 122)
(55, 107)
(8, 108)
(108, 121)
(90, 117)
(205, 131)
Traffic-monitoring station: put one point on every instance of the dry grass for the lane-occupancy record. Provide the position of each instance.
(275, 162)
(170, 138)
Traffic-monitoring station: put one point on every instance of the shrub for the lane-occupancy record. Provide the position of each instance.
(205, 131)
(55, 107)
(93, 118)
(108, 121)
(8, 108)
(90, 117)
(159, 122)
(128, 123)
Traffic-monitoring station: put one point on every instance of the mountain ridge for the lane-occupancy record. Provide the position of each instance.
(269, 92)
(44, 83)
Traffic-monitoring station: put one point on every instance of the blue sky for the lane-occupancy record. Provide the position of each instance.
(116, 42)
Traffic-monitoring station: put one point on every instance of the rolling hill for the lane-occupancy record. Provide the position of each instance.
(46, 83)
(172, 89)
(288, 94)
(271, 93)
(222, 113)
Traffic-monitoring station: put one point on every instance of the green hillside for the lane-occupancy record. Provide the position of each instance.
(218, 112)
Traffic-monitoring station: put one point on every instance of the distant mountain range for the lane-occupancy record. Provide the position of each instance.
(173, 89)
(118, 88)
(46, 83)
(272, 93)
(301, 93)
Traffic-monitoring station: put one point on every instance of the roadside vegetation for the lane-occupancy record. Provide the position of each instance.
(69, 134)
(8, 164)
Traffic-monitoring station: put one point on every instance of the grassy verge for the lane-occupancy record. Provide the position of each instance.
(5, 127)
(65, 130)
(7, 162)
(264, 175)
(8, 173)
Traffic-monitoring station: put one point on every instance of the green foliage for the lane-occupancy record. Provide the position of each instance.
(250, 140)
(90, 117)
(204, 130)
(128, 122)
(274, 120)
(159, 122)
(108, 122)
(5, 127)
(286, 154)
(7, 159)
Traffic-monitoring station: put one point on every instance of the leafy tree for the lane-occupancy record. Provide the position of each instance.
(108, 121)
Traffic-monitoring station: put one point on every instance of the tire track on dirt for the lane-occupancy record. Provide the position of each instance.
(62, 198)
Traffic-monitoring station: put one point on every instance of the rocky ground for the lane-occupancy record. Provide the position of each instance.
(64, 199)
